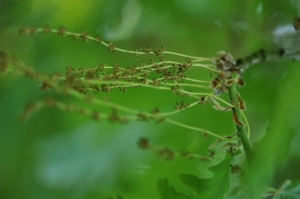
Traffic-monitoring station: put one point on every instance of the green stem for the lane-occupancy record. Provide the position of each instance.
(240, 123)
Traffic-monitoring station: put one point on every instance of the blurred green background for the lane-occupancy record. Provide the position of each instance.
(65, 155)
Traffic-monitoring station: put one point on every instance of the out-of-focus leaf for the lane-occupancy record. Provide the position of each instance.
(215, 187)
(274, 147)
(118, 197)
(289, 190)
(167, 191)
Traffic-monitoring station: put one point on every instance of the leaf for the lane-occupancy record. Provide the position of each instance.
(289, 190)
(167, 191)
(118, 197)
(216, 187)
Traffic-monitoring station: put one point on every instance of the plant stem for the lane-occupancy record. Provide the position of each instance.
(241, 127)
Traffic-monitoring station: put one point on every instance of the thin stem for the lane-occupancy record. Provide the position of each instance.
(187, 56)
(103, 103)
(178, 110)
(107, 44)
(132, 84)
(132, 111)
(186, 85)
(196, 129)
(247, 123)
(199, 81)
(207, 67)
(210, 95)
(157, 64)
(125, 109)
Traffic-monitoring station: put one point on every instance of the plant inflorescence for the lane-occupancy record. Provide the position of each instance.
(159, 73)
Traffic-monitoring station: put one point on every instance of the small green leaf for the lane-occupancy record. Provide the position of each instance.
(167, 191)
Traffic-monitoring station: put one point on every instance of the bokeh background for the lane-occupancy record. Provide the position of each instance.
(65, 155)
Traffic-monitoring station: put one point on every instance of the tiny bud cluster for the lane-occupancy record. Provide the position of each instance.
(228, 68)
(225, 61)
(167, 154)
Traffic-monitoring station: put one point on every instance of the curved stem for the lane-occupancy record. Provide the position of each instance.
(196, 129)
(107, 44)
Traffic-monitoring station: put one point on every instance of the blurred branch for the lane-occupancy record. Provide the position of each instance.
(262, 56)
